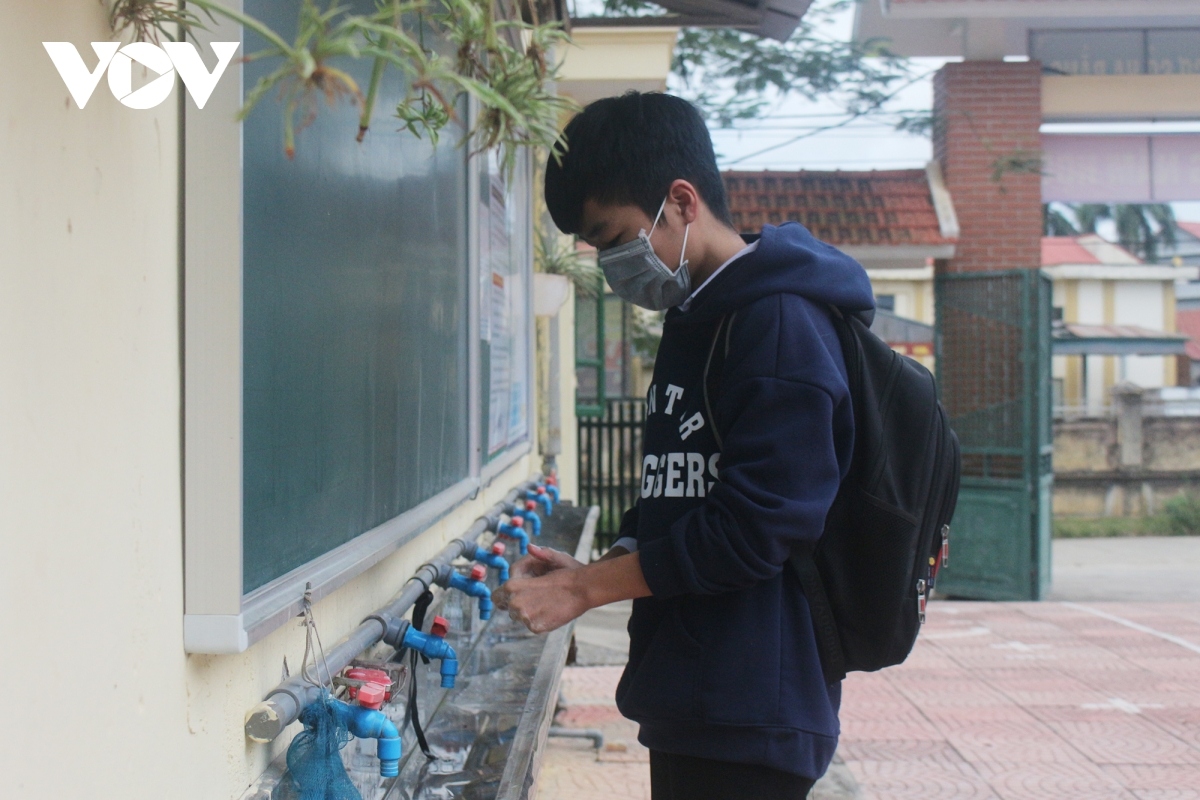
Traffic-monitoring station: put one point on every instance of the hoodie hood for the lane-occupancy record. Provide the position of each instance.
(788, 260)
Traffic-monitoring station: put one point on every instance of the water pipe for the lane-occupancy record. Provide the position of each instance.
(515, 529)
(531, 514)
(283, 704)
(366, 721)
(539, 494)
(494, 558)
(402, 634)
(472, 584)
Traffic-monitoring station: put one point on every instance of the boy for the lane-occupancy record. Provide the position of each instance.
(723, 677)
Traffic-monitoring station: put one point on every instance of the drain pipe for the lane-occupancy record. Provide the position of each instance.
(283, 704)
(597, 736)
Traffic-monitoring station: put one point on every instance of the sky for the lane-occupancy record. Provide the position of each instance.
(860, 145)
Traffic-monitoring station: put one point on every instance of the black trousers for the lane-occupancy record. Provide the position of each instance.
(674, 777)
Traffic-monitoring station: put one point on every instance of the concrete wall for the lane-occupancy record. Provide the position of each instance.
(1103, 468)
(104, 702)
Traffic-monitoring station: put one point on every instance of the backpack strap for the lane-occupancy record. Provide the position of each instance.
(802, 561)
(829, 644)
(712, 376)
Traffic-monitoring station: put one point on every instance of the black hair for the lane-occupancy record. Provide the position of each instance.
(630, 149)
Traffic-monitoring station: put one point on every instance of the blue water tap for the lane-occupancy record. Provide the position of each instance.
(494, 558)
(542, 497)
(400, 634)
(515, 529)
(473, 584)
(552, 487)
(366, 721)
(530, 513)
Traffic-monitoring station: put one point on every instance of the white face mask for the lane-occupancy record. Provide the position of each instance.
(638, 275)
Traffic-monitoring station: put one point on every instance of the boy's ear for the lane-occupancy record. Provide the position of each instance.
(684, 196)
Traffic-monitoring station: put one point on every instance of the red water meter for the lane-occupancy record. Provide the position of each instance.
(369, 676)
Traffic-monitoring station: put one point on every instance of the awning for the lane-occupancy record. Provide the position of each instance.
(771, 19)
(1072, 339)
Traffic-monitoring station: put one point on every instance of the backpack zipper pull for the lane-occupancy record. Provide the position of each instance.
(921, 601)
(945, 545)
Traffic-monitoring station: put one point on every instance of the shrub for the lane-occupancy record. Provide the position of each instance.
(1181, 515)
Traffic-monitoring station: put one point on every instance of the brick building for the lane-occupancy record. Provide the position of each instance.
(894, 222)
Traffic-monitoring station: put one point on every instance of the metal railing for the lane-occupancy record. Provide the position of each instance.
(610, 463)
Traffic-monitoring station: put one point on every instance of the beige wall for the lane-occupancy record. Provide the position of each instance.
(603, 62)
(1066, 97)
(107, 703)
(914, 298)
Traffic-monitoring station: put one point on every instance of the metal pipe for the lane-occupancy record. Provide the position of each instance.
(595, 735)
(283, 704)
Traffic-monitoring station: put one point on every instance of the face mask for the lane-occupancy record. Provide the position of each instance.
(638, 275)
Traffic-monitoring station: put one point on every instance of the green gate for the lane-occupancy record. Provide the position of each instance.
(993, 364)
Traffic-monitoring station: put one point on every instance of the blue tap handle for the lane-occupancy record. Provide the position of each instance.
(544, 498)
(475, 587)
(434, 647)
(494, 560)
(515, 532)
(536, 521)
(368, 723)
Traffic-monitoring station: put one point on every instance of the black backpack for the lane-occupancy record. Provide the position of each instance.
(888, 530)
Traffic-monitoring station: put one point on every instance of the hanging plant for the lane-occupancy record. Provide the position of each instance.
(150, 20)
(558, 255)
(502, 63)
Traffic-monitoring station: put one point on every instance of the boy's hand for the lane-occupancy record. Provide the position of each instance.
(563, 588)
(544, 602)
(542, 560)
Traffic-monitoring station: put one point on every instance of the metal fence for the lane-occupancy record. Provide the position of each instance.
(610, 462)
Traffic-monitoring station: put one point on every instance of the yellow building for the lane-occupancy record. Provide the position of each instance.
(1105, 293)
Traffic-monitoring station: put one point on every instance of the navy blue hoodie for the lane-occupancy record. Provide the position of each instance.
(722, 660)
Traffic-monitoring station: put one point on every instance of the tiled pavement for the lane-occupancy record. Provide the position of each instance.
(999, 701)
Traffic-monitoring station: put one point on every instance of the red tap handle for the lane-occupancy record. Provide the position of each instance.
(518, 521)
(498, 548)
(531, 505)
(371, 695)
(440, 627)
(541, 490)
(552, 481)
(478, 572)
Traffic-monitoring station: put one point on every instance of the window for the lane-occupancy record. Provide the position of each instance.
(1118, 52)
(354, 326)
(348, 379)
(602, 326)
(885, 302)
(590, 376)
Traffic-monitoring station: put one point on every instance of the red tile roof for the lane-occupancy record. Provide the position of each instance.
(1087, 248)
(879, 207)
(1065, 250)
(1187, 321)
(1192, 228)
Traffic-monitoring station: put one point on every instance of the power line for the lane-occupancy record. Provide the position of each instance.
(836, 125)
